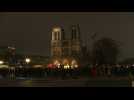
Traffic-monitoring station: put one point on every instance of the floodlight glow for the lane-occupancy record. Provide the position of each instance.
(1, 62)
(28, 60)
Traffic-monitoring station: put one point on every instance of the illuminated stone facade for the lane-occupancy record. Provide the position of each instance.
(65, 51)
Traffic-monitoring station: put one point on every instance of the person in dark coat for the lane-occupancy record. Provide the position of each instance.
(94, 71)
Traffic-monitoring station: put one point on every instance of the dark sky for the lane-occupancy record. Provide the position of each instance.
(31, 31)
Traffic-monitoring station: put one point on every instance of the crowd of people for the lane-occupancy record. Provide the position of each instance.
(112, 70)
(40, 72)
(89, 71)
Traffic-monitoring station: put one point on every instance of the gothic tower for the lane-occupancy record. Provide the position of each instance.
(58, 36)
(65, 51)
(75, 41)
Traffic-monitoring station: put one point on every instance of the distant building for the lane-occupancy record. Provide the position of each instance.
(7, 54)
(66, 51)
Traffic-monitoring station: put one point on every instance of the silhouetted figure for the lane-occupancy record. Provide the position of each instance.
(62, 71)
(109, 71)
(94, 71)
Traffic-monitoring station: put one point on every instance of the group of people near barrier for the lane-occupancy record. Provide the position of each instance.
(88, 71)
(112, 70)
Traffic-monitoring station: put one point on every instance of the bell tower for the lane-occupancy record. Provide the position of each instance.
(75, 31)
(75, 40)
(56, 41)
(66, 51)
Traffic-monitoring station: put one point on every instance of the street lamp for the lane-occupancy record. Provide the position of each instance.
(1, 62)
(27, 60)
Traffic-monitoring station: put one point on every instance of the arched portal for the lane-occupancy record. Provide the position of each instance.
(65, 62)
(57, 63)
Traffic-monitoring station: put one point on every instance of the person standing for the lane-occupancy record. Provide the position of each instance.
(94, 71)
(109, 71)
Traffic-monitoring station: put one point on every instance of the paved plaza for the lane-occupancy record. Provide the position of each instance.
(80, 82)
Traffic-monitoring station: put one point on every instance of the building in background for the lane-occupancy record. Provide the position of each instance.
(65, 51)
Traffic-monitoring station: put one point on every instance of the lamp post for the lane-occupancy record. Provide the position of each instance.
(1, 62)
(11, 61)
(27, 60)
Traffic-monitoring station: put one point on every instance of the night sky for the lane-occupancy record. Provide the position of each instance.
(31, 32)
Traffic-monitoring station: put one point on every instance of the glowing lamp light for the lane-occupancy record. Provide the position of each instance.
(28, 60)
(4, 66)
(1, 62)
(76, 66)
(58, 65)
(56, 29)
(66, 66)
(11, 48)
